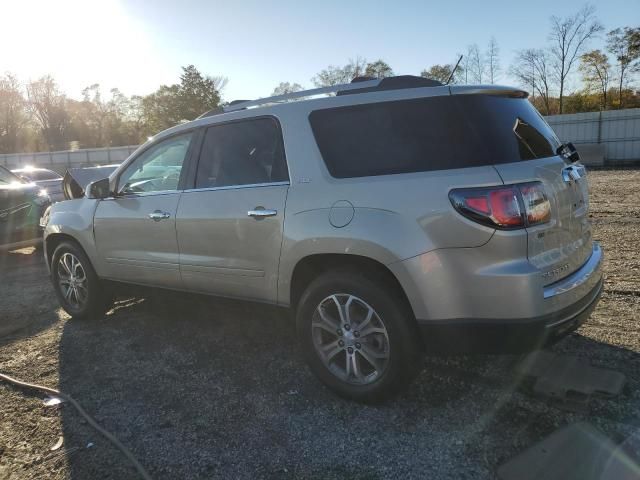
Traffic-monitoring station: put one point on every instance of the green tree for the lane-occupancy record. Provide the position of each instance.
(184, 101)
(378, 69)
(624, 45)
(333, 75)
(596, 73)
(48, 108)
(13, 115)
(284, 88)
(441, 73)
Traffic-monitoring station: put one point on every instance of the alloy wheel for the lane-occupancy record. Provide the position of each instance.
(72, 280)
(350, 338)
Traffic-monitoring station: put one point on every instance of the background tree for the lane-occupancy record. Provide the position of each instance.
(184, 101)
(493, 60)
(476, 64)
(13, 115)
(624, 45)
(441, 73)
(285, 87)
(531, 69)
(48, 107)
(333, 75)
(596, 70)
(569, 37)
(378, 69)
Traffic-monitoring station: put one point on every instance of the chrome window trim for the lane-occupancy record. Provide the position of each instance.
(236, 187)
(143, 194)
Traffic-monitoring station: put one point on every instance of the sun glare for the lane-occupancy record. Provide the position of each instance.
(77, 42)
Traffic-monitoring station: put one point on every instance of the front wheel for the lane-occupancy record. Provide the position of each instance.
(78, 288)
(357, 336)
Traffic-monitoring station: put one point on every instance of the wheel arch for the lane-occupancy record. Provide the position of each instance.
(52, 242)
(311, 266)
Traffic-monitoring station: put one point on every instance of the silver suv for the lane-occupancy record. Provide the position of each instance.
(392, 217)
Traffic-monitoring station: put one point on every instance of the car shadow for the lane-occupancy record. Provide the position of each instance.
(199, 388)
(29, 303)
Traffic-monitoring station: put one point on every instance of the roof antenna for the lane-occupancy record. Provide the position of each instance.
(454, 70)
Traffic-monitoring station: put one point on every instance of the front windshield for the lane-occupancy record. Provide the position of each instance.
(7, 178)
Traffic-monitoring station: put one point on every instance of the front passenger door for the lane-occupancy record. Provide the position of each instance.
(136, 230)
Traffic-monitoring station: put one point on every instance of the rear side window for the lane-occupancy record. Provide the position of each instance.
(427, 134)
(241, 153)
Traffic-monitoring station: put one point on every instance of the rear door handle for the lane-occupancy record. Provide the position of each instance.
(260, 212)
(159, 215)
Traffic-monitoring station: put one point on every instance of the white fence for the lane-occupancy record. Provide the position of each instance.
(609, 138)
(60, 161)
(616, 133)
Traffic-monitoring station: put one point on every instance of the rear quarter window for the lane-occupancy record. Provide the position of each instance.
(426, 134)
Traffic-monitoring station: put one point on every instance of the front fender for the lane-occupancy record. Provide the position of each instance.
(73, 218)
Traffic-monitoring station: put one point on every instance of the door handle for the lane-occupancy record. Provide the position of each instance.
(159, 215)
(260, 212)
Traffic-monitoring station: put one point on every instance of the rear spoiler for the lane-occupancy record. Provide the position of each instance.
(76, 180)
(496, 90)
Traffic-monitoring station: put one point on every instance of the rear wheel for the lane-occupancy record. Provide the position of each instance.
(357, 336)
(79, 290)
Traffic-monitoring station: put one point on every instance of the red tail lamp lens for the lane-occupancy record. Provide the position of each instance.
(502, 207)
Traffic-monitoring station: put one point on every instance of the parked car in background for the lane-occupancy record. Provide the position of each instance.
(395, 217)
(21, 206)
(46, 179)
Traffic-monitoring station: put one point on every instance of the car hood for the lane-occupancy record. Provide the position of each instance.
(75, 181)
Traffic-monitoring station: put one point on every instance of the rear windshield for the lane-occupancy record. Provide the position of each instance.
(427, 134)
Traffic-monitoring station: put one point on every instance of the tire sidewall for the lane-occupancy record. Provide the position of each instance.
(404, 359)
(91, 306)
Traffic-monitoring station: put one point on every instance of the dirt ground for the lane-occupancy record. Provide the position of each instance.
(203, 388)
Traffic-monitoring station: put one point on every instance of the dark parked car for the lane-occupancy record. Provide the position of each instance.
(21, 206)
(46, 179)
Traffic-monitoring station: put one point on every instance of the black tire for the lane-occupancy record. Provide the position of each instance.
(404, 359)
(99, 297)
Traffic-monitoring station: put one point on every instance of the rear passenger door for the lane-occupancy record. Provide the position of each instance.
(230, 224)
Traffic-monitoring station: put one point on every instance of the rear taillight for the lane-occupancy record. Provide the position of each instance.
(506, 207)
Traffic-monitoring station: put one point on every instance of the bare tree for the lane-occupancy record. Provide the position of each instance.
(624, 45)
(13, 116)
(493, 60)
(476, 64)
(47, 106)
(531, 69)
(596, 73)
(569, 37)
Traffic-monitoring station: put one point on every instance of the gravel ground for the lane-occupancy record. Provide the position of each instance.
(203, 388)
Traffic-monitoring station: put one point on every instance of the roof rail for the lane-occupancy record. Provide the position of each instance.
(358, 85)
(234, 106)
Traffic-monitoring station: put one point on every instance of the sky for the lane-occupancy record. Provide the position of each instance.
(137, 45)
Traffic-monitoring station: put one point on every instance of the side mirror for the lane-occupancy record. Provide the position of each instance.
(99, 189)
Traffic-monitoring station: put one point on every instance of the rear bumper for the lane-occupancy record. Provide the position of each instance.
(568, 303)
(507, 336)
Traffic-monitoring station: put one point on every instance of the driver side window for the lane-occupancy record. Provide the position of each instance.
(157, 169)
